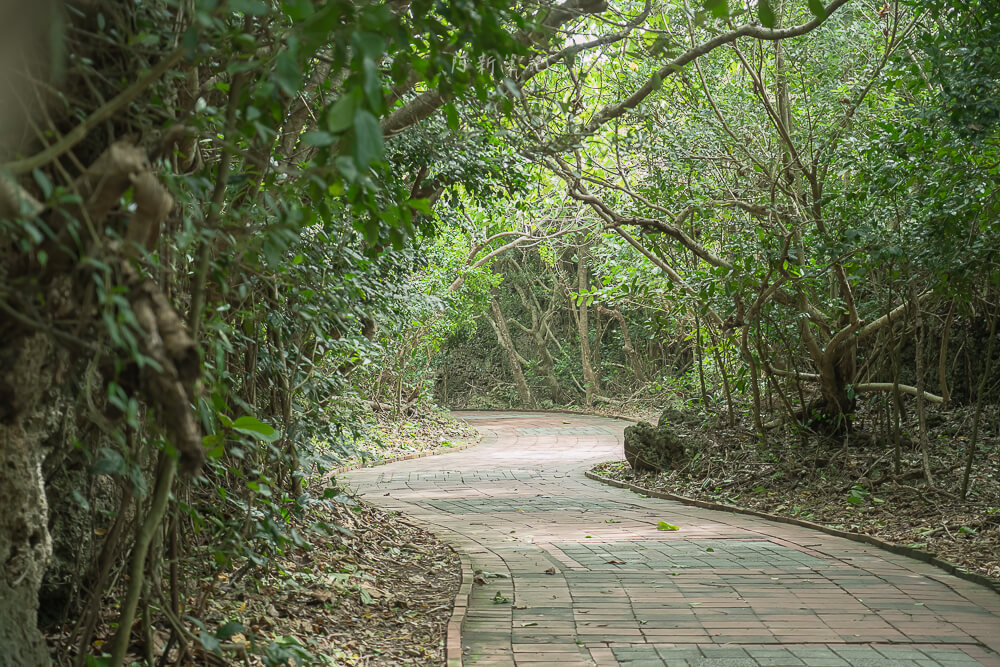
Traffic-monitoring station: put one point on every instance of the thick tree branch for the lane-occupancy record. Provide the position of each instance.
(666, 268)
(896, 313)
(905, 388)
(425, 104)
(542, 64)
(863, 388)
(613, 219)
(755, 31)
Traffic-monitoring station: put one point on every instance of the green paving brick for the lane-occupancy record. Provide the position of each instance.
(787, 661)
(723, 652)
(680, 653)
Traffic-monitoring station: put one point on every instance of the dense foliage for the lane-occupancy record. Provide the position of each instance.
(228, 228)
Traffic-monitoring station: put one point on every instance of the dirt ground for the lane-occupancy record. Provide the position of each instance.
(355, 586)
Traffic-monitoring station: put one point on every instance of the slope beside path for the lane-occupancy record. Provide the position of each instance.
(573, 572)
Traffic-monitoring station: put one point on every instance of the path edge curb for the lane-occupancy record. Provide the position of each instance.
(899, 549)
(459, 606)
(453, 631)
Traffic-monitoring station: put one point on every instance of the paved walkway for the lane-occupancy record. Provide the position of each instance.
(722, 591)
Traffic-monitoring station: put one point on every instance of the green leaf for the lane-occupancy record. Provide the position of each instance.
(80, 500)
(373, 83)
(248, 7)
(287, 74)
(340, 117)
(216, 444)
(370, 44)
(109, 463)
(719, 8)
(254, 427)
(817, 8)
(298, 10)
(317, 138)
(663, 525)
(766, 14)
(368, 144)
(452, 114)
(210, 643)
(43, 182)
(229, 629)
(420, 206)
(347, 168)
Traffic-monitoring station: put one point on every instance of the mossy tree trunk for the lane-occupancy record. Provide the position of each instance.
(590, 380)
(499, 323)
(30, 414)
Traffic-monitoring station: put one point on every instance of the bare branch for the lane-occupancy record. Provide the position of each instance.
(889, 386)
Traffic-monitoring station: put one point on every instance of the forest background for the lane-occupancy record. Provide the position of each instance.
(230, 232)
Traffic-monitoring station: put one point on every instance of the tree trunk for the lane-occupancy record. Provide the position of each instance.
(635, 361)
(539, 336)
(758, 423)
(918, 344)
(513, 359)
(600, 327)
(835, 378)
(583, 326)
(546, 366)
(970, 447)
(701, 361)
(943, 357)
(29, 369)
(723, 367)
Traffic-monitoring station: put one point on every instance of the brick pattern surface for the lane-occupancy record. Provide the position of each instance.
(722, 590)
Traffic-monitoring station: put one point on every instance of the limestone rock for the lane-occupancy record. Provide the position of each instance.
(671, 416)
(651, 448)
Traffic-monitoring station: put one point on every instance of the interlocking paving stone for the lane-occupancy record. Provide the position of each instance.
(525, 505)
(754, 656)
(567, 430)
(460, 476)
(679, 554)
(767, 594)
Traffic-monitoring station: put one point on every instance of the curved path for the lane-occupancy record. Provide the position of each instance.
(723, 590)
